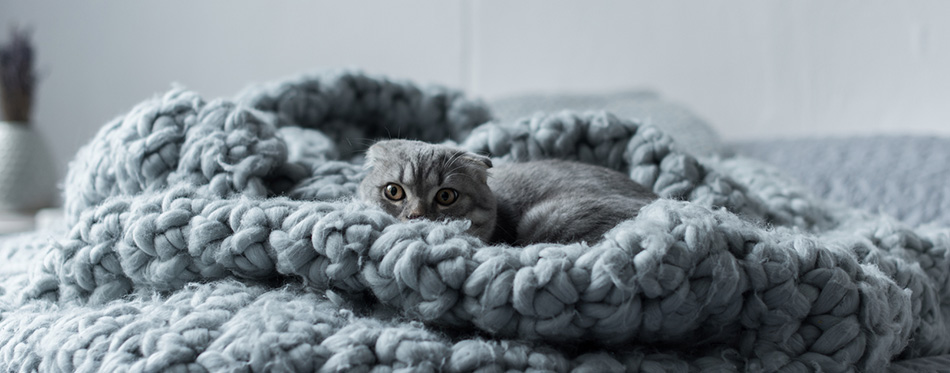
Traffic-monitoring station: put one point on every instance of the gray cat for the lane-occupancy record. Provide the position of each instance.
(514, 203)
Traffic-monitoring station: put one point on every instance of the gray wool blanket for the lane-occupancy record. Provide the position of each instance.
(224, 236)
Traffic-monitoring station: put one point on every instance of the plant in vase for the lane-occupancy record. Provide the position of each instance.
(17, 78)
(27, 173)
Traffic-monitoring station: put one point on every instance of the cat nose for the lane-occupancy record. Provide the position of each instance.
(415, 211)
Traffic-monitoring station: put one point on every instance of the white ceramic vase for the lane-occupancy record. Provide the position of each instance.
(27, 172)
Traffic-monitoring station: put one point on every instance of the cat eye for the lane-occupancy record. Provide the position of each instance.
(394, 192)
(446, 196)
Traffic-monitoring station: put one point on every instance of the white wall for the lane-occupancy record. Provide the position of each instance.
(752, 68)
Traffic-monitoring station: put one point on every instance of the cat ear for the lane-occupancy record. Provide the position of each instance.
(378, 151)
(481, 163)
(477, 159)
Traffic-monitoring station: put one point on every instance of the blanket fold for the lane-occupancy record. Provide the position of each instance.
(734, 267)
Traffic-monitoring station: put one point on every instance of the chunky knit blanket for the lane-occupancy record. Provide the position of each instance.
(224, 236)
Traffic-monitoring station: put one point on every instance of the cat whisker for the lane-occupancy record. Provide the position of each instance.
(359, 144)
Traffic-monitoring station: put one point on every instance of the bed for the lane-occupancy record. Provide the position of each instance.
(223, 235)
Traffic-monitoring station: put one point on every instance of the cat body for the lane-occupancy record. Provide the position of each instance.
(513, 203)
(561, 201)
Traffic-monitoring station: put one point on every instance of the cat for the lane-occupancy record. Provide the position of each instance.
(553, 201)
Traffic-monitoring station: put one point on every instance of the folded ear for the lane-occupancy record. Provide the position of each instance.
(477, 159)
(378, 151)
(481, 163)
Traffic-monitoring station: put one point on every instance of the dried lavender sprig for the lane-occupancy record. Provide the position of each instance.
(17, 78)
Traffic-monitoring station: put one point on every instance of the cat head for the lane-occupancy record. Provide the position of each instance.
(417, 180)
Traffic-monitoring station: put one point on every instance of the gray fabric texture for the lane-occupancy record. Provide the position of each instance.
(939, 363)
(907, 177)
(222, 235)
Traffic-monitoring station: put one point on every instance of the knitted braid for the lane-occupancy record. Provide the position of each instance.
(650, 157)
(229, 325)
(234, 148)
(679, 273)
(353, 108)
(695, 269)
